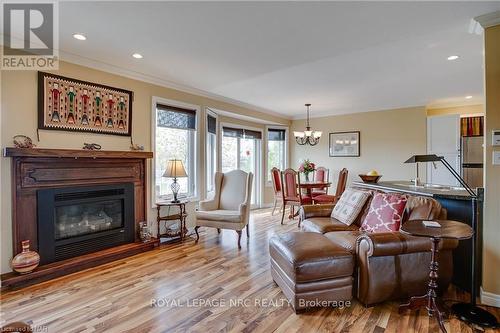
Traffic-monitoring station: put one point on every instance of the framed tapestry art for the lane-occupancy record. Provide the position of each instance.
(67, 104)
(344, 144)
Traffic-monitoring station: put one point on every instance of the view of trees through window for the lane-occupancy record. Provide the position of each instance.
(171, 143)
(275, 156)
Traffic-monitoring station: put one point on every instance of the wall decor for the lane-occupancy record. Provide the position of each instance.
(344, 144)
(26, 261)
(67, 104)
(22, 141)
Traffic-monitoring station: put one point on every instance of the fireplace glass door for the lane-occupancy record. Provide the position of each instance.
(87, 218)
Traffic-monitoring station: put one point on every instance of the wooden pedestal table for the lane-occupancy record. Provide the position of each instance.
(180, 216)
(448, 229)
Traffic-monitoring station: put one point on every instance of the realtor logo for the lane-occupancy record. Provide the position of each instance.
(30, 36)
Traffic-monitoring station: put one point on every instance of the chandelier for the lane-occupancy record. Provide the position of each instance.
(307, 137)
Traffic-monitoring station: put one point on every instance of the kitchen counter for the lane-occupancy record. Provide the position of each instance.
(430, 190)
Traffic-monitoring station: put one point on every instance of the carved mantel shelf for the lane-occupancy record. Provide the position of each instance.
(74, 153)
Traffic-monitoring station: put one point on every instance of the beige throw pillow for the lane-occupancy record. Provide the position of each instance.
(349, 205)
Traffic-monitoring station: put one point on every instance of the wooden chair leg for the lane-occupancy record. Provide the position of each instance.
(283, 213)
(197, 235)
(239, 238)
(218, 230)
(248, 229)
(274, 208)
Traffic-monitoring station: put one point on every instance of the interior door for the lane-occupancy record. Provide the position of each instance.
(443, 139)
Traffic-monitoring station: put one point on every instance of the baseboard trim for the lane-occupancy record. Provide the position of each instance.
(490, 299)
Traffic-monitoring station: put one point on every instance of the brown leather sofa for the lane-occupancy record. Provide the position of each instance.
(388, 266)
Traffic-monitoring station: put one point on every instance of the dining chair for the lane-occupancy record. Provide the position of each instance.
(341, 184)
(277, 188)
(291, 193)
(321, 174)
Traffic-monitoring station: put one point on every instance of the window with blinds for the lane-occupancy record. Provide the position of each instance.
(276, 150)
(276, 134)
(211, 154)
(174, 117)
(241, 133)
(175, 135)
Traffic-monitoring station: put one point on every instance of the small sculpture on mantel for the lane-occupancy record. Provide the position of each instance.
(91, 146)
(23, 141)
(134, 146)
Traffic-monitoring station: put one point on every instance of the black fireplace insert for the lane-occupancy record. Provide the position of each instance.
(73, 221)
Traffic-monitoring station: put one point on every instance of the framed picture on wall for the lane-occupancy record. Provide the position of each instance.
(67, 104)
(344, 144)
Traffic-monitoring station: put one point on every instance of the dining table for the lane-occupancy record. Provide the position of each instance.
(308, 186)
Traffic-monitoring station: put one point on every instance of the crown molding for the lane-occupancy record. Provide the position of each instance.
(135, 75)
(489, 20)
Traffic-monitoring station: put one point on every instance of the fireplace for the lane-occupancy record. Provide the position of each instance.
(73, 221)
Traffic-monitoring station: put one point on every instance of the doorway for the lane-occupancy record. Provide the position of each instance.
(241, 149)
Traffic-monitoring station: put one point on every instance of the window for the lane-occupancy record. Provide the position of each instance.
(175, 138)
(276, 150)
(241, 149)
(211, 152)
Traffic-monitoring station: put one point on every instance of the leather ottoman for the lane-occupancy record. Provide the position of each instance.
(311, 270)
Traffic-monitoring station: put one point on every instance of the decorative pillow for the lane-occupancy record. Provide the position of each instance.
(385, 214)
(349, 205)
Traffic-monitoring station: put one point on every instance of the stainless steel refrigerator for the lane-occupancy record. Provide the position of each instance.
(472, 160)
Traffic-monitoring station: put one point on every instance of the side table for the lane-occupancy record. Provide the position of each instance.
(448, 229)
(180, 216)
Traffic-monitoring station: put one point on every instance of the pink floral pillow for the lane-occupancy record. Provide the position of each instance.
(385, 214)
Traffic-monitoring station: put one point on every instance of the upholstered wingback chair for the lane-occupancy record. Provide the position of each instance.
(230, 206)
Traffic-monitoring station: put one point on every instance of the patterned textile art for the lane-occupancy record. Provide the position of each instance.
(385, 214)
(72, 105)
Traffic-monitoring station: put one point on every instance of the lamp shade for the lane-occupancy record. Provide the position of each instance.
(423, 158)
(175, 169)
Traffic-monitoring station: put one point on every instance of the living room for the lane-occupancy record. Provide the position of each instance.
(227, 138)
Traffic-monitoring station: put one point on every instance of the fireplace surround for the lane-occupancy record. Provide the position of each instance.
(39, 173)
(78, 220)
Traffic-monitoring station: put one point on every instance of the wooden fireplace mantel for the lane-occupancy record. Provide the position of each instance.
(39, 168)
(74, 153)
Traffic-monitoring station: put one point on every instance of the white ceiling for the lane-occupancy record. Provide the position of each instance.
(341, 57)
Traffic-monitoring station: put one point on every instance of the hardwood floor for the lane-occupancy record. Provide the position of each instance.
(118, 297)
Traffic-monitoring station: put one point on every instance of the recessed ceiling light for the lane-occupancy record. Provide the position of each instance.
(79, 36)
(453, 57)
(137, 55)
(468, 97)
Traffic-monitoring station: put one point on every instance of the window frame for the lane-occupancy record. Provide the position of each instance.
(211, 112)
(268, 182)
(258, 176)
(194, 151)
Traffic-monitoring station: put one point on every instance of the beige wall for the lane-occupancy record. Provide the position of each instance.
(388, 138)
(461, 110)
(491, 228)
(19, 116)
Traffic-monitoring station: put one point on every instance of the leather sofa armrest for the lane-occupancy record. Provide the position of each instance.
(308, 211)
(395, 243)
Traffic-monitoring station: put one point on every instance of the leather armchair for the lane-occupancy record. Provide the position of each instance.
(230, 206)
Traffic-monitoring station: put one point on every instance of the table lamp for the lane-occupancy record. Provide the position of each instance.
(175, 169)
(468, 312)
